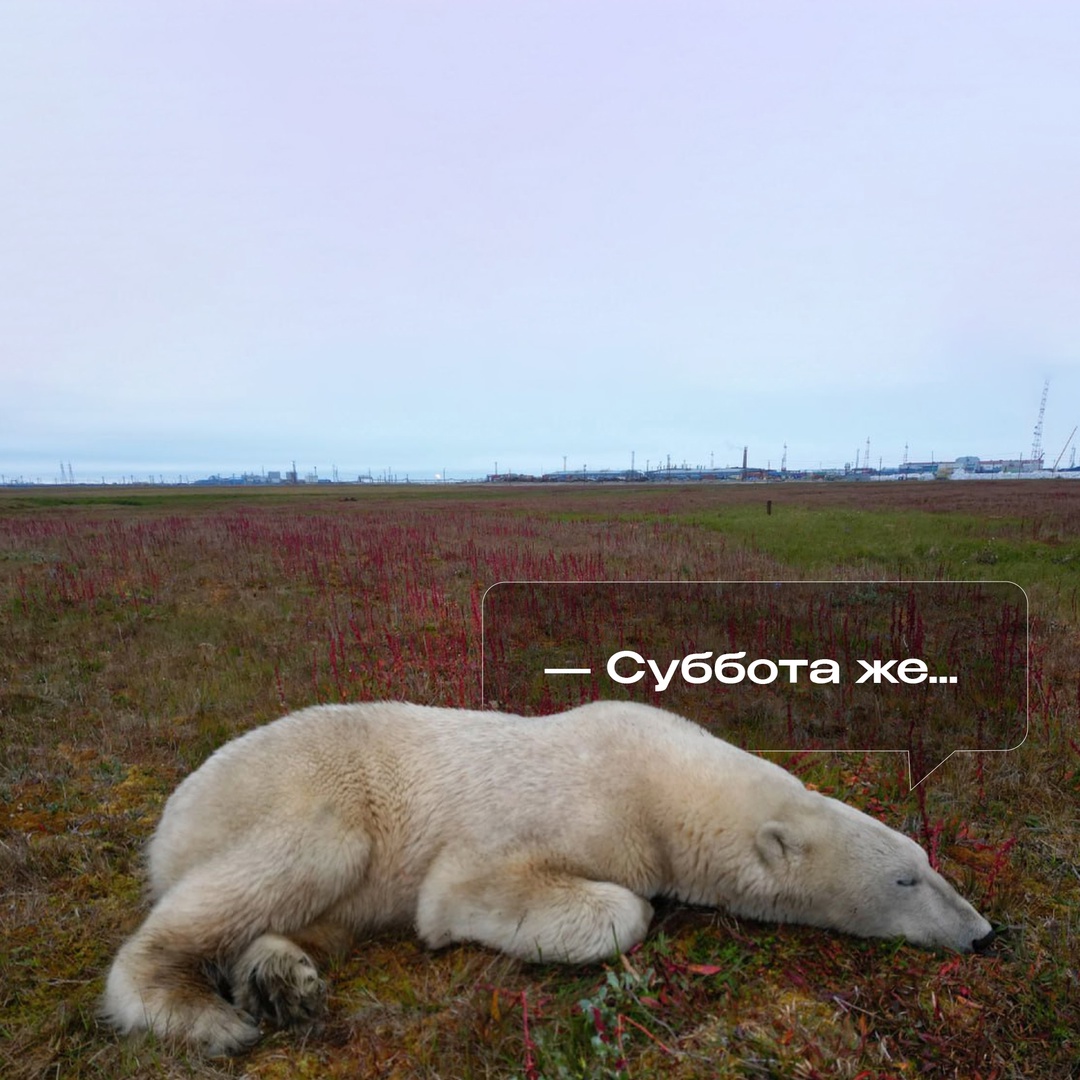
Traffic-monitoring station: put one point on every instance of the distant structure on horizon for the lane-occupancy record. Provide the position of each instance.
(966, 467)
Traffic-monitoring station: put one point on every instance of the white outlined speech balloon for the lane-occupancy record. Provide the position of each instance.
(925, 668)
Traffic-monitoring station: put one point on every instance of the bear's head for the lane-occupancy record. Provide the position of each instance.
(826, 864)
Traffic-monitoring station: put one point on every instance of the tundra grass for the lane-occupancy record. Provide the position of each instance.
(136, 637)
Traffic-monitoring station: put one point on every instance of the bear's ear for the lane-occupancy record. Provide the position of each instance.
(779, 843)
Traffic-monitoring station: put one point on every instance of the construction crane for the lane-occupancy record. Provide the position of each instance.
(1036, 442)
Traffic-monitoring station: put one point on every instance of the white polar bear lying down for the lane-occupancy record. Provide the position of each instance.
(541, 837)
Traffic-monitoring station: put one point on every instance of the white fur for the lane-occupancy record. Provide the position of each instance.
(540, 837)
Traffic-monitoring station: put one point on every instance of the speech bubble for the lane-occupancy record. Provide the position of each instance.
(923, 668)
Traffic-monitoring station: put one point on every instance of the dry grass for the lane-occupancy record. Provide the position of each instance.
(139, 635)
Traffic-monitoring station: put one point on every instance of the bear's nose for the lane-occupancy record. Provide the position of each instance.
(980, 945)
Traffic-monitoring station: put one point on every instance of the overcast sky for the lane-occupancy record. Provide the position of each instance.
(433, 236)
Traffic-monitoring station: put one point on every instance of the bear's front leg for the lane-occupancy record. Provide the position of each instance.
(530, 909)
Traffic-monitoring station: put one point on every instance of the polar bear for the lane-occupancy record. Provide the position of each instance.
(542, 837)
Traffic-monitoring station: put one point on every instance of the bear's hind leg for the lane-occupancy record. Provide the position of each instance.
(173, 998)
(530, 910)
(209, 920)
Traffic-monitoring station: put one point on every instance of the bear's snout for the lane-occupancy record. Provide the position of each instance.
(981, 945)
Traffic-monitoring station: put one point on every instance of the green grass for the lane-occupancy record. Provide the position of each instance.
(903, 545)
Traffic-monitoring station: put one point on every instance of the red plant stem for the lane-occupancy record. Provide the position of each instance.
(1000, 859)
(647, 1033)
(531, 1071)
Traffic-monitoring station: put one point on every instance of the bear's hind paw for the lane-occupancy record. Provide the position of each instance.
(276, 979)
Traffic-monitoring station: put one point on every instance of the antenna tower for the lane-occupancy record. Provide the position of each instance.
(1036, 442)
(1059, 457)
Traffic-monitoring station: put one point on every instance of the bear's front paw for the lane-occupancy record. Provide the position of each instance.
(223, 1031)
